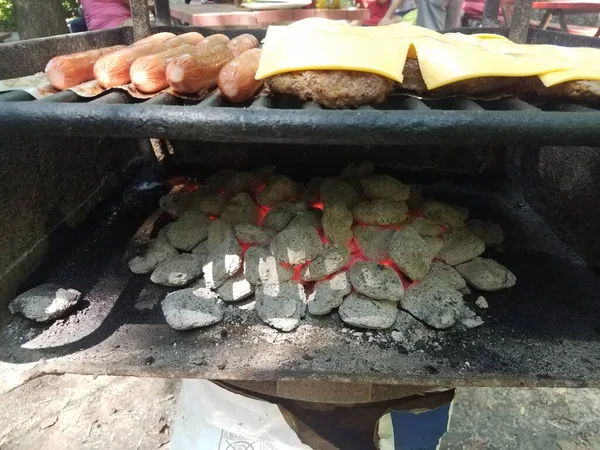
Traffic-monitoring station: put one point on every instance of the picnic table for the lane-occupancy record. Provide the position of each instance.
(562, 8)
(230, 16)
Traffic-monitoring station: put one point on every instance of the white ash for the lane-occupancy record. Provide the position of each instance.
(373, 241)
(311, 218)
(247, 182)
(187, 309)
(489, 232)
(410, 253)
(218, 180)
(211, 204)
(465, 290)
(223, 262)
(280, 215)
(261, 267)
(380, 212)
(363, 312)
(176, 203)
(358, 170)
(241, 209)
(278, 188)
(486, 274)
(425, 227)
(218, 231)
(460, 246)
(330, 260)
(296, 245)
(201, 250)
(329, 294)
(482, 302)
(178, 270)
(410, 332)
(434, 245)
(472, 322)
(376, 281)
(384, 186)
(337, 222)
(190, 229)
(236, 288)
(281, 305)
(435, 304)
(45, 302)
(444, 214)
(248, 233)
(155, 252)
(443, 274)
(336, 190)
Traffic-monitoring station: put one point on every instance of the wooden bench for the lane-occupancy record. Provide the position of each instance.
(562, 8)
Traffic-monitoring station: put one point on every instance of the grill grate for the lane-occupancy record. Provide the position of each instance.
(399, 120)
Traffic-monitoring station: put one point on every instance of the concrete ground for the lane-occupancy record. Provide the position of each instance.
(82, 412)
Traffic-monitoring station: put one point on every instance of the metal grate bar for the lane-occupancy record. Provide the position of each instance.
(212, 100)
(116, 97)
(15, 96)
(515, 104)
(163, 98)
(263, 102)
(365, 108)
(311, 106)
(62, 97)
(571, 107)
(465, 104)
(413, 104)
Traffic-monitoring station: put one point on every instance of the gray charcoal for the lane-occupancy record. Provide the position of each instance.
(311, 218)
(380, 212)
(279, 188)
(363, 312)
(201, 250)
(435, 304)
(376, 281)
(280, 215)
(443, 274)
(486, 274)
(248, 182)
(211, 204)
(472, 322)
(409, 332)
(373, 241)
(281, 305)
(434, 245)
(489, 232)
(296, 245)
(156, 251)
(236, 288)
(410, 253)
(187, 309)
(248, 233)
(241, 209)
(190, 229)
(482, 302)
(336, 190)
(444, 214)
(218, 231)
(337, 222)
(329, 294)
(178, 270)
(330, 260)
(425, 227)
(384, 186)
(460, 246)
(223, 262)
(45, 302)
(176, 203)
(261, 267)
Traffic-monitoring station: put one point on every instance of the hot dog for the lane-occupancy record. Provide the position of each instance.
(113, 69)
(191, 38)
(211, 41)
(149, 73)
(240, 44)
(236, 78)
(190, 73)
(66, 71)
(158, 37)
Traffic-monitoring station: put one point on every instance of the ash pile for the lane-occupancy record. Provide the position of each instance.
(362, 245)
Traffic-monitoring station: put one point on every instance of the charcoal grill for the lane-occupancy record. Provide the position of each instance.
(527, 165)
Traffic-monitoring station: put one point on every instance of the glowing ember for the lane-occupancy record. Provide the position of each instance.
(212, 218)
(245, 248)
(260, 188)
(318, 205)
(263, 212)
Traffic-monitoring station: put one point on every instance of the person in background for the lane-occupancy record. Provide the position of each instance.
(439, 15)
(102, 14)
(77, 24)
(379, 9)
(400, 11)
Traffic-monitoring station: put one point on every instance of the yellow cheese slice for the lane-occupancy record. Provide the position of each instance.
(289, 49)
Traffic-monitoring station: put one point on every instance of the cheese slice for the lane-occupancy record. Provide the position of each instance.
(290, 49)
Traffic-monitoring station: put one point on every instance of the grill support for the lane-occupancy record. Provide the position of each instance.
(490, 13)
(141, 19)
(519, 26)
(162, 11)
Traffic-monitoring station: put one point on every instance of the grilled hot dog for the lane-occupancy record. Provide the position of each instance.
(66, 71)
(158, 37)
(236, 78)
(211, 41)
(240, 44)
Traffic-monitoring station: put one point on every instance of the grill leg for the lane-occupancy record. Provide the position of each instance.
(490, 13)
(546, 20)
(562, 21)
(141, 19)
(519, 27)
(162, 11)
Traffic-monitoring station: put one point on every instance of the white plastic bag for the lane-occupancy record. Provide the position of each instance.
(212, 418)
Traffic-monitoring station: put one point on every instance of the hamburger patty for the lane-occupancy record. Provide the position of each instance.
(333, 88)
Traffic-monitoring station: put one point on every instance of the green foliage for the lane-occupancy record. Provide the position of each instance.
(7, 13)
